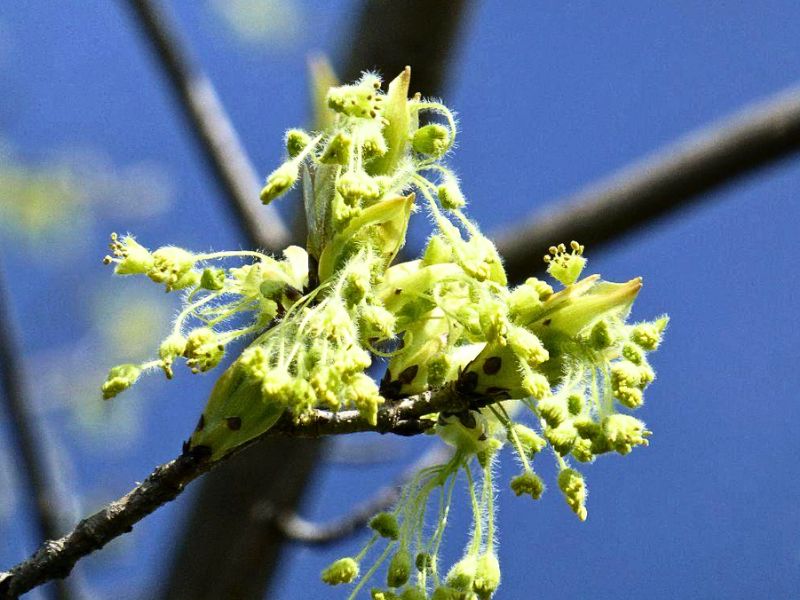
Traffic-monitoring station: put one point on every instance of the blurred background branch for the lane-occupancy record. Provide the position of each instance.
(31, 443)
(683, 174)
(212, 128)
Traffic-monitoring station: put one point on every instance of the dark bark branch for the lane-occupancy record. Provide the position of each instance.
(33, 471)
(673, 179)
(212, 128)
(297, 529)
(56, 558)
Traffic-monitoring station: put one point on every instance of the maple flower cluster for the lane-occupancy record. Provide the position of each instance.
(551, 368)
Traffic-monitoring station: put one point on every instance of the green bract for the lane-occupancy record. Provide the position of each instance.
(563, 359)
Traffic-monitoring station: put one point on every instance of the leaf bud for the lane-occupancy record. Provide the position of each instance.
(344, 570)
(600, 336)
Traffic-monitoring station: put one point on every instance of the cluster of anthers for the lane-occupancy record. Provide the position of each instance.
(551, 368)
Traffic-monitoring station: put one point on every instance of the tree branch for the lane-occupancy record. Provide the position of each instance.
(33, 472)
(670, 180)
(297, 529)
(212, 128)
(56, 558)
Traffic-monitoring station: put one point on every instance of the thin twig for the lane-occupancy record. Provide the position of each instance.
(56, 558)
(33, 468)
(672, 179)
(212, 128)
(297, 529)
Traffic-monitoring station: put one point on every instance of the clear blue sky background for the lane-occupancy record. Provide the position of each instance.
(551, 96)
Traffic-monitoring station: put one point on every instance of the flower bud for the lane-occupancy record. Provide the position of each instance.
(423, 562)
(487, 575)
(600, 336)
(413, 593)
(337, 150)
(361, 100)
(462, 574)
(438, 251)
(203, 350)
(552, 410)
(623, 432)
(377, 322)
(399, 569)
(364, 395)
(280, 181)
(561, 438)
(431, 139)
(132, 257)
(119, 379)
(527, 346)
(212, 279)
(344, 570)
(528, 483)
(378, 594)
(385, 525)
(530, 441)
(171, 266)
(648, 335)
(564, 267)
(574, 489)
(536, 385)
(354, 186)
(296, 141)
(170, 349)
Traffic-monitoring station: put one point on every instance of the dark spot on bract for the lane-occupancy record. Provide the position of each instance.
(234, 423)
(482, 437)
(185, 447)
(387, 377)
(467, 383)
(492, 365)
(391, 389)
(398, 291)
(408, 374)
(547, 322)
(201, 422)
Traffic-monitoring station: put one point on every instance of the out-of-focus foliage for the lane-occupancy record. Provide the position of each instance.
(273, 22)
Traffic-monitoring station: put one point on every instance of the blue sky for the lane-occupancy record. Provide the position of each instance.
(550, 97)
